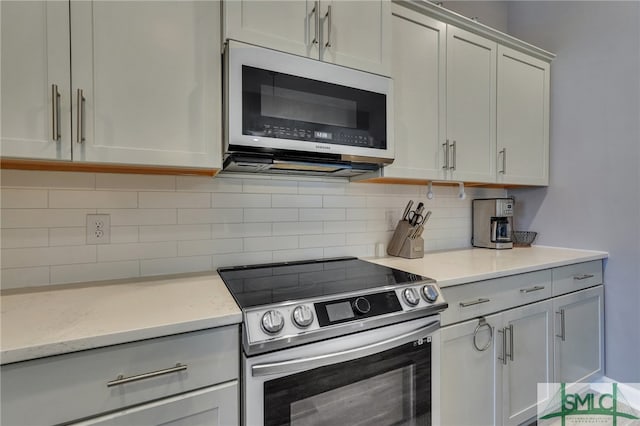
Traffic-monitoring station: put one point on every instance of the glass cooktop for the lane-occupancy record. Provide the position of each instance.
(257, 285)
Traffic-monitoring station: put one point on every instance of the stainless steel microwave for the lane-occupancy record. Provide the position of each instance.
(291, 114)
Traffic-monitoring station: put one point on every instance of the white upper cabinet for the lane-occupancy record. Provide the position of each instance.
(35, 80)
(523, 118)
(146, 82)
(355, 34)
(140, 85)
(418, 72)
(471, 106)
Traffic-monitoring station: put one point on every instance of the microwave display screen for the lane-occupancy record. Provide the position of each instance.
(283, 106)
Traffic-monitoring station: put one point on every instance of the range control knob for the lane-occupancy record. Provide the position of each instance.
(361, 305)
(272, 322)
(411, 296)
(302, 316)
(429, 293)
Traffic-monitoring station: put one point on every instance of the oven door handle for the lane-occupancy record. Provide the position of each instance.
(302, 364)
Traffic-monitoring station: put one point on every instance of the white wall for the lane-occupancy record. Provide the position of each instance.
(593, 200)
(173, 224)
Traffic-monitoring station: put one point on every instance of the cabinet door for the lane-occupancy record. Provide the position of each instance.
(527, 360)
(213, 406)
(149, 73)
(523, 119)
(418, 72)
(288, 26)
(469, 379)
(578, 346)
(357, 34)
(471, 106)
(35, 59)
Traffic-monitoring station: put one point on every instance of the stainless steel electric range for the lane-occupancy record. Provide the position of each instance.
(337, 341)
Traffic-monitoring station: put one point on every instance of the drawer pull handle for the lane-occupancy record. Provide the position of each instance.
(482, 322)
(531, 289)
(475, 302)
(121, 380)
(583, 277)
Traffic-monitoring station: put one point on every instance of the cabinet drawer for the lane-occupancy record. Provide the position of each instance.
(485, 297)
(72, 386)
(576, 277)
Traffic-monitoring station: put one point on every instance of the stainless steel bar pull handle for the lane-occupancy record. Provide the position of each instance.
(55, 113)
(562, 325)
(80, 117)
(454, 154)
(121, 380)
(510, 328)
(316, 19)
(583, 277)
(445, 148)
(531, 289)
(475, 302)
(504, 346)
(328, 16)
(503, 151)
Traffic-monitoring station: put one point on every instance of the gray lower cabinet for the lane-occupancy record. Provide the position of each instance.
(501, 338)
(184, 379)
(212, 406)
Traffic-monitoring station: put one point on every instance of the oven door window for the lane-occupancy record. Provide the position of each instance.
(388, 388)
(284, 106)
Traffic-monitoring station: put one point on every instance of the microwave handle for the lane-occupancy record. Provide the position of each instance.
(302, 364)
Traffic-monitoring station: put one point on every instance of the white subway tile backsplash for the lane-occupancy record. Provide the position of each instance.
(128, 217)
(322, 240)
(297, 228)
(24, 237)
(207, 184)
(302, 201)
(242, 258)
(24, 277)
(238, 230)
(94, 272)
(24, 199)
(162, 200)
(227, 200)
(270, 215)
(42, 256)
(299, 254)
(176, 265)
(42, 179)
(333, 201)
(270, 186)
(194, 216)
(124, 234)
(72, 199)
(322, 214)
(174, 224)
(155, 250)
(76, 236)
(134, 182)
(270, 243)
(208, 247)
(43, 218)
(174, 232)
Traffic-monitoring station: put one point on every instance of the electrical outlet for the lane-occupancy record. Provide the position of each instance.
(98, 229)
(391, 220)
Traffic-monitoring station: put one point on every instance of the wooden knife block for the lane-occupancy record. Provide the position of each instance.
(402, 246)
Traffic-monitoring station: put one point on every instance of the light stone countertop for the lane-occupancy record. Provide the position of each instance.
(476, 264)
(48, 321)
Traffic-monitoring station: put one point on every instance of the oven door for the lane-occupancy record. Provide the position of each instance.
(387, 376)
(279, 101)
